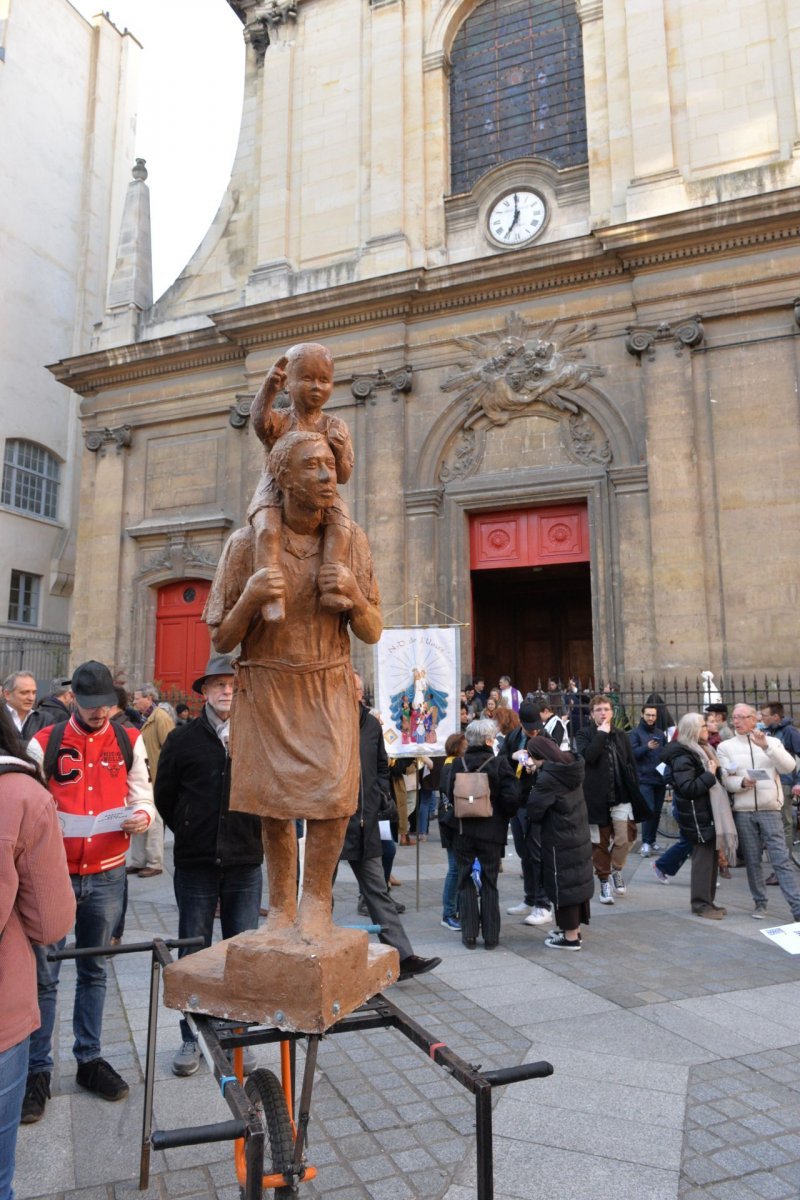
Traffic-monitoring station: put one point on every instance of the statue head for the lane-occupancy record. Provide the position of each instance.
(304, 468)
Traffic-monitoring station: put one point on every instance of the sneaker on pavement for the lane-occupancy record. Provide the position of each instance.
(37, 1093)
(414, 965)
(538, 916)
(558, 941)
(605, 896)
(659, 874)
(759, 913)
(656, 847)
(451, 923)
(645, 850)
(519, 910)
(187, 1059)
(618, 883)
(771, 880)
(150, 872)
(99, 1077)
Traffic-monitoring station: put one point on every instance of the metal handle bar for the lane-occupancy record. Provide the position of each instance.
(128, 948)
(197, 1135)
(537, 1070)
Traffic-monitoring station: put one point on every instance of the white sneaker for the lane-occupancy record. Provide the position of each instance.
(519, 910)
(605, 896)
(618, 882)
(539, 916)
(656, 848)
(645, 850)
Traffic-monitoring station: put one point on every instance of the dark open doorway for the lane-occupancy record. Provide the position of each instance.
(532, 623)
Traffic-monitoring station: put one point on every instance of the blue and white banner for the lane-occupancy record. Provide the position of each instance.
(417, 688)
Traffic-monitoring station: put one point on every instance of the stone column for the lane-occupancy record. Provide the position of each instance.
(97, 607)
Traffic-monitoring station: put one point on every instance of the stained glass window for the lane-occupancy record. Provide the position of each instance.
(516, 88)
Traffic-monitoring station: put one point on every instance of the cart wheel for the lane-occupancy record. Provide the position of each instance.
(264, 1091)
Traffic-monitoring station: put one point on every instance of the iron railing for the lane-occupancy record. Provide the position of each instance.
(45, 654)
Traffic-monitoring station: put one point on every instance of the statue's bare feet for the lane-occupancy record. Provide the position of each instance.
(314, 918)
(335, 602)
(279, 919)
(274, 610)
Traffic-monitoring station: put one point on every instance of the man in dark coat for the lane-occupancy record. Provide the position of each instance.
(647, 743)
(612, 795)
(218, 853)
(53, 709)
(362, 842)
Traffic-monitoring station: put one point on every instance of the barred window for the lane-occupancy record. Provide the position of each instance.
(23, 599)
(30, 479)
(516, 88)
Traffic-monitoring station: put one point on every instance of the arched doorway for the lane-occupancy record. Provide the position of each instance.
(182, 641)
(531, 594)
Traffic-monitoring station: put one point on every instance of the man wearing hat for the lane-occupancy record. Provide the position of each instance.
(218, 853)
(89, 769)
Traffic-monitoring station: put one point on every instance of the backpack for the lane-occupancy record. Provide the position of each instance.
(57, 737)
(471, 794)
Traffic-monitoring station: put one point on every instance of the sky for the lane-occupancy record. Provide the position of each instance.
(191, 72)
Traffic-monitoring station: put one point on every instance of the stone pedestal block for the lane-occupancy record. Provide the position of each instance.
(280, 980)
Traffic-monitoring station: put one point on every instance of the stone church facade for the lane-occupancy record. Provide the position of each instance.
(554, 248)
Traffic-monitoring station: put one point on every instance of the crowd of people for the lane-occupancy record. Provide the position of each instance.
(576, 790)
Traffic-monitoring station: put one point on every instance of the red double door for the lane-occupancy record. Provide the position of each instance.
(531, 594)
(182, 640)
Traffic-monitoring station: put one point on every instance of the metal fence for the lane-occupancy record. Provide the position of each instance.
(45, 655)
(681, 696)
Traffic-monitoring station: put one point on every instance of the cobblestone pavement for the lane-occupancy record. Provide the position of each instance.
(674, 1042)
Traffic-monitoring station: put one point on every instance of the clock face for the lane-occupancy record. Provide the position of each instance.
(517, 217)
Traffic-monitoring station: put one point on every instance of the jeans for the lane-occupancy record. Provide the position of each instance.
(654, 794)
(764, 831)
(198, 889)
(99, 900)
(450, 890)
(674, 857)
(13, 1075)
(425, 810)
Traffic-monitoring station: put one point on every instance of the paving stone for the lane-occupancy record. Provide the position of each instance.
(181, 1183)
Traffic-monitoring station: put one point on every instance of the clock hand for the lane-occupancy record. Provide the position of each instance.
(516, 214)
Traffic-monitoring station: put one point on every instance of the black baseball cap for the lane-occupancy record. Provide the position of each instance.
(93, 686)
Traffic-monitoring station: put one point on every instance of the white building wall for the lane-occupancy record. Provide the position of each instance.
(67, 131)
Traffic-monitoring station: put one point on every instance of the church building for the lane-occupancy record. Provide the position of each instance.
(554, 248)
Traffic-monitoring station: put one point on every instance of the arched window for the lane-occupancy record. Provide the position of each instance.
(30, 479)
(516, 88)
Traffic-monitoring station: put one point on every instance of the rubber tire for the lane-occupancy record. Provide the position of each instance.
(264, 1091)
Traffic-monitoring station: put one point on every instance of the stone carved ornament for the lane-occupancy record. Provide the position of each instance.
(179, 554)
(519, 367)
(642, 339)
(512, 371)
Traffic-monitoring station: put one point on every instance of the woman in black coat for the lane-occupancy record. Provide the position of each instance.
(694, 768)
(556, 805)
(483, 837)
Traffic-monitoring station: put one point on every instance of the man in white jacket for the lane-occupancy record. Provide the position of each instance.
(752, 764)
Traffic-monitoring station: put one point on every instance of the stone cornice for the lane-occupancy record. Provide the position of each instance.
(194, 351)
(614, 252)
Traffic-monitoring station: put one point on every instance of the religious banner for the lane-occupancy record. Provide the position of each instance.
(417, 688)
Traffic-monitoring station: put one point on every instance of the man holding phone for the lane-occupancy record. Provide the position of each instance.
(647, 742)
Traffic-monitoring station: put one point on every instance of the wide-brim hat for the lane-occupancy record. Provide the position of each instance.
(93, 686)
(218, 664)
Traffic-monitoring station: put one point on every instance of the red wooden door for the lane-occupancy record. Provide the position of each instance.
(529, 537)
(182, 641)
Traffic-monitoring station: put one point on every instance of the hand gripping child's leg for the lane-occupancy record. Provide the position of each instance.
(335, 550)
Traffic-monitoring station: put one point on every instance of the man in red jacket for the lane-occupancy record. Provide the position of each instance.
(91, 773)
